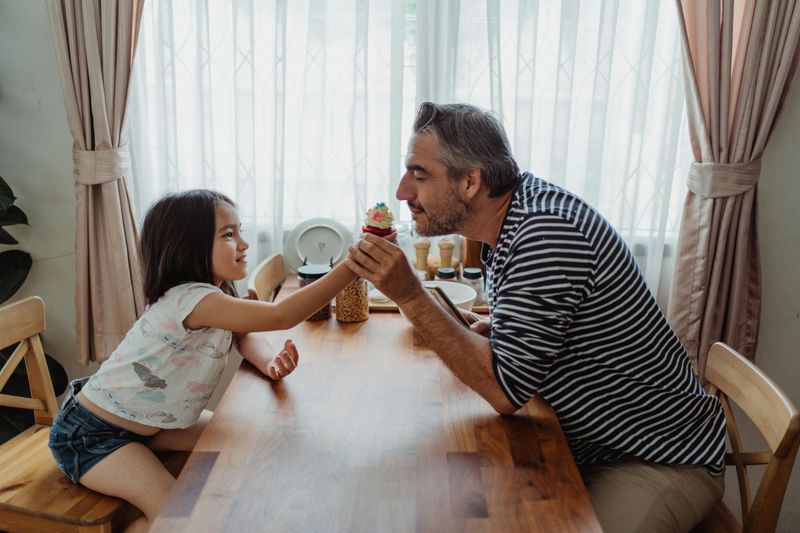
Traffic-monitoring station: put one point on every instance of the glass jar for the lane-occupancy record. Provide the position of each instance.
(405, 241)
(308, 274)
(474, 278)
(352, 304)
(445, 274)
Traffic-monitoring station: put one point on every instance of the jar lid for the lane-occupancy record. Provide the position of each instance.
(446, 272)
(473, 273)
(312, 271)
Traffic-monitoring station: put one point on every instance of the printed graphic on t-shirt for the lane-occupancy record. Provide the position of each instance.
(147, 329)
(147, 376)
(210, 350)
(151, 396)
(161, 417)
(162, 373)
(174, 342)
(187, 360)
(194, 386)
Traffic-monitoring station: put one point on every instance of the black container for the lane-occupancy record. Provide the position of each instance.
(308, 274)
(446, 274)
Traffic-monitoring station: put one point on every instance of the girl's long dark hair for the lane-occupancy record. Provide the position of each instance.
(176, 242)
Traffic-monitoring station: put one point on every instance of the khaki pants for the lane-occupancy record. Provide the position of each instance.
(638, 496)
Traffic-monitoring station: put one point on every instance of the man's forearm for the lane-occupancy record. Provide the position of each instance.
(466, 353)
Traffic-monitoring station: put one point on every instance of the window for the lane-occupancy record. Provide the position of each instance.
(303, 109)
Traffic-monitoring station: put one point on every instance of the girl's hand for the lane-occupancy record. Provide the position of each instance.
(284, 363)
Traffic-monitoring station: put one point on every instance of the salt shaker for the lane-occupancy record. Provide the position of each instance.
(474, 278)
(421, 248)
(446, 252)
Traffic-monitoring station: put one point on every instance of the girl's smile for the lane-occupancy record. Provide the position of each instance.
(228, 257)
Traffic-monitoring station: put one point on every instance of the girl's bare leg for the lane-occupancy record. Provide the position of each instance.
(134, 474)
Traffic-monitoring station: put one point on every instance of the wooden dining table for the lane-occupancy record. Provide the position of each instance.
(373, 433)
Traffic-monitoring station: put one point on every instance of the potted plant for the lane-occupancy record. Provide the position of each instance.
(14, 264)
(14, 268)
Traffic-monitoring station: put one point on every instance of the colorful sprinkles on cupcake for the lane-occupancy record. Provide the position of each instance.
(379, 220)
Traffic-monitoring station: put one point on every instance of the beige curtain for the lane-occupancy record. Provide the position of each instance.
(739, 61)
(95, 43)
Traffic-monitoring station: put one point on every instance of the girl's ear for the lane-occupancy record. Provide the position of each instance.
(471, 183)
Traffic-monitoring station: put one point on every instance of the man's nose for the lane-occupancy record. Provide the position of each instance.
(404, 188)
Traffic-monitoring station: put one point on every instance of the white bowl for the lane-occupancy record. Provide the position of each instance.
(461, 295)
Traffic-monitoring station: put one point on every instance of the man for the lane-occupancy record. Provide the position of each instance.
(571, 320)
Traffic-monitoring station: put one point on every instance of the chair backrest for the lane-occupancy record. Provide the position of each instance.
(266, 279)
(21, 322)
(734, 378)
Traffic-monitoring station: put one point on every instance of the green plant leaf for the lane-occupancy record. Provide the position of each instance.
(14, 268)
(13, 215)
(6, 196)
(7, 238)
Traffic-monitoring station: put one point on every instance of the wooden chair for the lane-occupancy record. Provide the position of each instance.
(734, 378)
(34, 494)
(265, 281)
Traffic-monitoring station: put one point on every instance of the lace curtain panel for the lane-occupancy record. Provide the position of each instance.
(303, 109)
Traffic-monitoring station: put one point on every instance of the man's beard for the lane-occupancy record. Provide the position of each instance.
(446, 218)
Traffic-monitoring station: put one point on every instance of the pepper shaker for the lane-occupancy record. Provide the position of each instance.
(421, 248)
(446, 253)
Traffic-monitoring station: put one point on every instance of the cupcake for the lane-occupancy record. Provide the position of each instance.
(379, 220)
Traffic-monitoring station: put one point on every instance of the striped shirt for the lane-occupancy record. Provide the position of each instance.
(573, 321)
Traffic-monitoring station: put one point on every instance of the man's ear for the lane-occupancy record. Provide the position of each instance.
(471, 182)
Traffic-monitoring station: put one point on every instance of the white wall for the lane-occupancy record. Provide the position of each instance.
(779, 230)
(36, 161)
(35, 158)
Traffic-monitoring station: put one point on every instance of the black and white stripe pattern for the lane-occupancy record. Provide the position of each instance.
(573, 320)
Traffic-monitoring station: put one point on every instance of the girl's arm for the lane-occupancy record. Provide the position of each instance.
(221, 311)
(257, 350)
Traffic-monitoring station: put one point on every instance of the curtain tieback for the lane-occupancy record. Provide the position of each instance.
(717, 180)
(93, 167)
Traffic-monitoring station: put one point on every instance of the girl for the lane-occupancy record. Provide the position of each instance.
(151, 392)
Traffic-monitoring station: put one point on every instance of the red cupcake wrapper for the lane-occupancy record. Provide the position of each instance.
(378, 231)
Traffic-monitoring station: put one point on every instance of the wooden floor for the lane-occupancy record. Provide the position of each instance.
(373, 433)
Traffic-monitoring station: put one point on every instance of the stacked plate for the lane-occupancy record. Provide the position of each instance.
(317, 241)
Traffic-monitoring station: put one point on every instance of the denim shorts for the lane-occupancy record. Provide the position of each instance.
(79, 439)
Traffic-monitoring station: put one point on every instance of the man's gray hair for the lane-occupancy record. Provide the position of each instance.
(470, 137)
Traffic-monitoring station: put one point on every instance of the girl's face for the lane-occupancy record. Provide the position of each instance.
(228, 260)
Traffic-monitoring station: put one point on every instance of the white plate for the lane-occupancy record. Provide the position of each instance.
(377, 297)
(319, 240)
(460, 295)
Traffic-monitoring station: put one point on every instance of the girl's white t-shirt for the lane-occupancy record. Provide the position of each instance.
(162, 374)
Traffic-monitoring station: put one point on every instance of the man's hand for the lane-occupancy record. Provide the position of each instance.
(386, 266)
(477, 323)
(284, 363)
(483, 327)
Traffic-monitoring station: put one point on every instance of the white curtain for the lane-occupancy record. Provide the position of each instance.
(301, 109)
